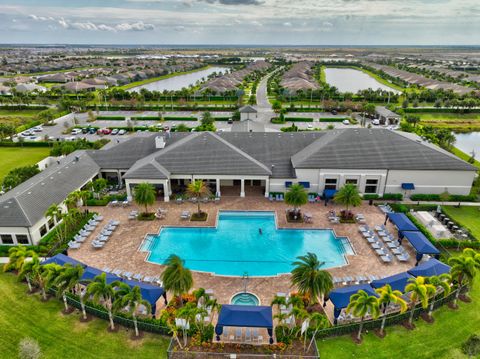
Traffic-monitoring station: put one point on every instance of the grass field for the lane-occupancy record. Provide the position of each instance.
(61, 336)
(453, 121)
(468, 217)
(12, 157)
(18, 113)
(440, 340)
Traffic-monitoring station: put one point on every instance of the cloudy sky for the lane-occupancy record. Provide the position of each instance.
(276, 22)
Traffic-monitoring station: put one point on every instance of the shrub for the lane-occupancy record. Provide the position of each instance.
(145, 118)
(437, 197)
(370, 196)
(185, 118)
(393, 196)
(28, 348)
(471, 346)
(332, 119)
(298, 119)
(398, 207)
(110, 118)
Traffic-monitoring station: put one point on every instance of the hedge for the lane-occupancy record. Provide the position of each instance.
(27, 126)
(106, 200)
(24, 107)
(223, 119)
(332, 119)
(436, 197)
(4, 249)
(161, 108)
(25, 144)
(145, 118)
(386, 196)
(298, 119)
(185, 118)
(110, 118)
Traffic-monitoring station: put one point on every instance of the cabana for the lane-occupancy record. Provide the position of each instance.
(90, 273)
(245, 316)
(430, 268)
(421, 244)
(401, 221)
(397, 282)
(151, 293)
(62, 259)
(340, 297)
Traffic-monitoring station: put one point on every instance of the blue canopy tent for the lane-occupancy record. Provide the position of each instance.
(430, 268)
(397, 282)
(421, 244)
(328, 194)
(401, 221)
(340, 297)
(90, 273)
(150, 293)
(245, 316)
(62, 259)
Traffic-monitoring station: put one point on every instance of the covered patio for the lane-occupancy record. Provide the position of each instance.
(431, 268)
(420, 243)
(244, 316)
(340, 297)
(401, 221)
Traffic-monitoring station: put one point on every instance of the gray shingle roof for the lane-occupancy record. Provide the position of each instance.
(26, 204)
(375, 149)
(248, 126)
(248, 109)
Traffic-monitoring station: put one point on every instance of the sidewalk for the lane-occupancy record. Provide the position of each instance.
(472, 204)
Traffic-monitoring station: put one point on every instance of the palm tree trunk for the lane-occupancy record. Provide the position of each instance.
(110, 317)
(410, 320)
(65, 301)
(82, 305)
(135, 324)
(44, 294)
(382, 327)
(313, 339)
(359, 335)
(29, 283)
(198, 204)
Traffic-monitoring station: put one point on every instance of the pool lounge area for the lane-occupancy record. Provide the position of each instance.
(246, 243)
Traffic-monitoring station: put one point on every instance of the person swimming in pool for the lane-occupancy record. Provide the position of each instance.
(260, 231)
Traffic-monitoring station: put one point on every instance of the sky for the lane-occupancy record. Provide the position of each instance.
(247, 22)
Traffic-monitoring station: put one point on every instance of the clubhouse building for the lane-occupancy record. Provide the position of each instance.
(243, 164)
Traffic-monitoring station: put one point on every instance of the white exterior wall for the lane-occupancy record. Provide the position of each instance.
(14, 231)
(431, 182)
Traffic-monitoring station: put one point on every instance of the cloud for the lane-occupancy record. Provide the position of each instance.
(235, 2)
(91, 26)
(41, 18)
(287, 24)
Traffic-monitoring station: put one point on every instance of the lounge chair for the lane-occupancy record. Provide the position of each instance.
(98, 217)
(107, 270)
(404, 257)
(80, 239)
(248, 335)
(371, 240)
(114, 222)
(380, 228)
(106, 232)
(238, 334)
(138, 277)
(335, 220)
(392, 245)
(126, 203)
(185, 215)
(97, 245)
(127, 275)
(386, 259)
(117, 272)
(73, 245)
(159, 216)
(375, 245)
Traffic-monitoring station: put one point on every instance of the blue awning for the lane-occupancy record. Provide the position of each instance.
(90, 273)
(62, 259)
(401, 221)
(329, 193)
(408, 186)
(245, 316)
(397, 281)
(150, 293)
(430, 268)
(421, 243)
(340, 297)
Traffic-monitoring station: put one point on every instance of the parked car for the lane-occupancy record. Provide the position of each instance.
(92, 131)
(76, 131)
(84, 130)
(104, 131)
(310, 127)
(166, 128)
(37, 129)
(333, 112)
(122, 132)
(230, 121)
(376, 122)
(346, 122)
(114, 131)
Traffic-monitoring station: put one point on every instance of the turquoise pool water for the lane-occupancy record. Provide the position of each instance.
(236, 246)
(245, 299)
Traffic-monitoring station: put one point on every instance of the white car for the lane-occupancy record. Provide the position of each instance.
(346, 122)
(122, 132)
(76, 131)
(376, 122)
(37, 129)
(310, 127)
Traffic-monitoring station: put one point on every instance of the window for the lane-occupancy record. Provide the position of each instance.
(43, 230)
(353, 181)
(22, 239)
(51, 223)
(288, 184)
(304, 184)
(371, 186)
(330, 183)
(6, 238)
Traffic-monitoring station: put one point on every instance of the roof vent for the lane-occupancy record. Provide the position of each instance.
(159, 142)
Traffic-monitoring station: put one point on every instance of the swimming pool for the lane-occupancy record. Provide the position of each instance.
(235, 247)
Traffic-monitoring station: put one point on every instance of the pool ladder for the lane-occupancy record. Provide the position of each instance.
(245, 278)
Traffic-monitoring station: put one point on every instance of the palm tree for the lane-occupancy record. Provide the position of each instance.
(317, 322)
(130, 298)
(103, 292)
(52, 271)
(442, 281)
(188, 313)
(386, 296)
(464, 268)
(16, 258)
(278, 301)
(348, 196)
(296, 196)
(176, 277)
(144, 195)
(310, 279)
(420, 291)
(38, 273)
(27, 270)
(198, 189)
(67, 280)
(360, 304)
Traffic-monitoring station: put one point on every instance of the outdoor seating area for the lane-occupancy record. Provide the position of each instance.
(86, 231)
(104, 235)
(383, 243)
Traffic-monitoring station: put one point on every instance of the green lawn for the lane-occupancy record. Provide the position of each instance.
(468, 217)
(12, 157)
(18, 113)
(60, 336)
(440, 340)
(442, 116)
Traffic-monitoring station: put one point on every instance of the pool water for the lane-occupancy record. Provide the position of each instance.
(245, 299)
(236, 247)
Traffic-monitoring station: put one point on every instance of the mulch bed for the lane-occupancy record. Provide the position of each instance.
(464, 298)
(427, 318)
(452, 305)
(199, 217)
(354, 336)
(291, 218)
(378, 334)
(408, 326)
(115, 330)
(135, 337)
(87, 319)
(70, 310)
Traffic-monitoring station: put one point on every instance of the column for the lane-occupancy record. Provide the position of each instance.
(218, 187)
(267, 187)
(166, 191)
(119, 177)
(129, 191)
(242, 188)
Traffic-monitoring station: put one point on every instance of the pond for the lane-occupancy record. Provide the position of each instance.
(178, 82)
(351, 80)
(468, 142)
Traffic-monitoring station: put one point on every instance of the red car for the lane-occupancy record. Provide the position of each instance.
(104, 131)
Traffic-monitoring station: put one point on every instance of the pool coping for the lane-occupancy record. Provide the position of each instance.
(148, 252)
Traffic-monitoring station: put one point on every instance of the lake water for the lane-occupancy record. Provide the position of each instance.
(178, 82)
(351, 80)
(468, 142)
